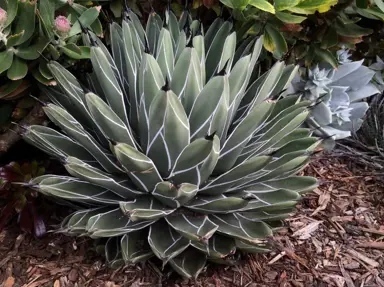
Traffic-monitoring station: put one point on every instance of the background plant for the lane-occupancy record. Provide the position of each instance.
(31, 32)
(18, 200)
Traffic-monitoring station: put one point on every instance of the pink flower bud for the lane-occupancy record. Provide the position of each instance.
(3, 17)
(62, 25)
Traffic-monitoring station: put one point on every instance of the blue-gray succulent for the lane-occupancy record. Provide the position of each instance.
(337, 94)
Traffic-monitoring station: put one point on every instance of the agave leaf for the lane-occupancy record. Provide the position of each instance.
(139, 167)
(219, 246)
(132, 71)
(225, 181)
(210, 109)
(188, 264)
(144, 208)
(113, 223)
(181, 45)
(168, 131)
(57, 144)
(73, 189)
(174, 196)
(118, 53)
(249, 248)
(165, 242)
(135, 248)
(228, 53)
(153, 29)
(75, 223)
(113, 253)
(214, 50)
(108, 121)
(193, 228)
(151, 80)
(241, 135)
(274, 200)
(86, 172)
(197, 161)
(164, 54)
(267, 139)
(212, 31)
(298, 184)
(198, 44)
(216, 204)
(75, 130)
(139, 31)
(173, 26)
(186, 83)
(237, 226)
(109, 83)
(75, 95)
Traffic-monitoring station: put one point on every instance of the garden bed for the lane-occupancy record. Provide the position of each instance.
(334, 239)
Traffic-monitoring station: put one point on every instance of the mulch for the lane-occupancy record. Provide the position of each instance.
(334, 239)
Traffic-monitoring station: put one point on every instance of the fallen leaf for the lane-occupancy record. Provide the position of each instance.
(9, 282)
(305, 232)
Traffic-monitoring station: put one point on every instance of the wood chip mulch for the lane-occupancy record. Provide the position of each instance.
(334, 239)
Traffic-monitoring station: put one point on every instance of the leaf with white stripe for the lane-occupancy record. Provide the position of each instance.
(75, 224)
(132, 72)
(73, 189)
(153, 28)
(215, 50)
(135, 247)
(113, 254)
(56, 144)
(174, 196)
(121, 186)
(151, 80)
(212, 31)
(216, 204)
(168, 131)
(181, 45)
(225, 181)
(241, 135)
(278, 199)
(109, 123)
(109, 83)
(186, 83)
(144, 208)
(196, 228)
(237, 226)
(228, 53)
(282, 128)
(138, 166)
(197, 161)
(75, 95)
(252, 248)
(219, 246)
(173, 27)
(140, 34)
(74, 129)
(118, 50)
(165, 242)
(300, 184)
(189, 264)
(164, 54)
(210, 109)
(198, 44)
(113, 223)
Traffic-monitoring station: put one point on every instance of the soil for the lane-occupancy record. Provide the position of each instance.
(334, 239)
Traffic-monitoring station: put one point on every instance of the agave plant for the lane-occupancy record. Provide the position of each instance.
(176, 149)
(339, 94)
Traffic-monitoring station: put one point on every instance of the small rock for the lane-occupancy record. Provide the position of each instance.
(271, 275)
(73, 275)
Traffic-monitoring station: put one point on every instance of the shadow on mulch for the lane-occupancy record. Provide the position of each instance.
(334, 239)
